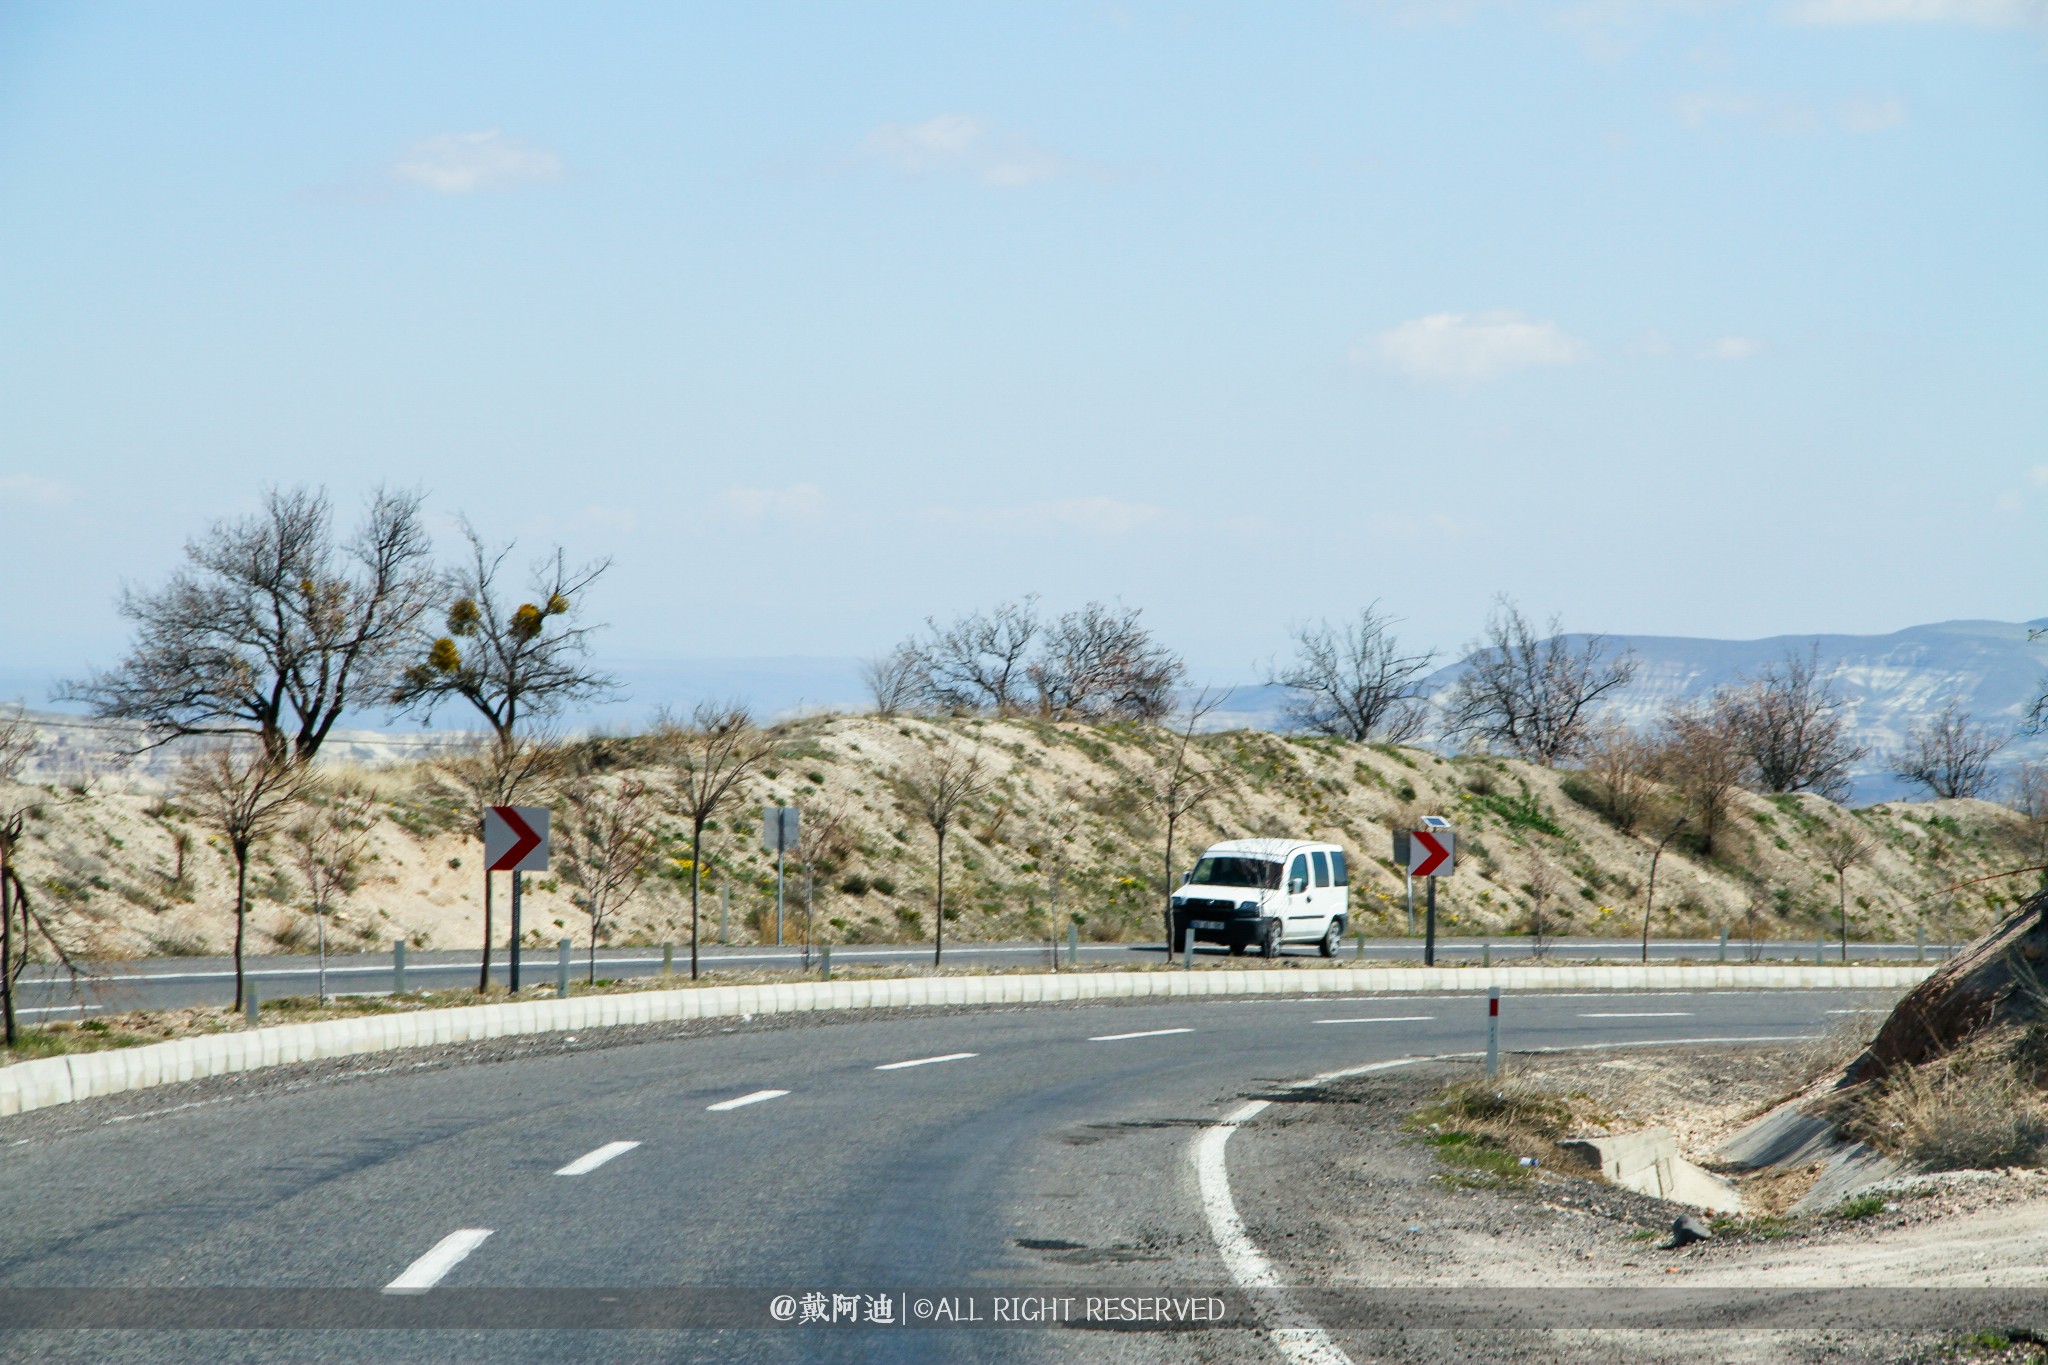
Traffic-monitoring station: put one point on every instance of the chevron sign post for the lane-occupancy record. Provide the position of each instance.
(1432, 854)
(515, 841)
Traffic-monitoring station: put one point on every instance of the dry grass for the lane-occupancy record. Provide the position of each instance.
(1979, 1108)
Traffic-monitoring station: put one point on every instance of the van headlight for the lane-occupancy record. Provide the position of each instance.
(1249, 907)
(1180, 903)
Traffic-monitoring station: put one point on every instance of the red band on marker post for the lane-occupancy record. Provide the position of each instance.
(1493, 1006)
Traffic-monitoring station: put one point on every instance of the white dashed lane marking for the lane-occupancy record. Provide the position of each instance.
(723, 1105)
(1148, 1033)
(1382, 1019)
(590, 1161)
(1643, 1014)
(926, 1061)
(429, 1269)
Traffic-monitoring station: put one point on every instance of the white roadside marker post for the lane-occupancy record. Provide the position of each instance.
(1492, 1032)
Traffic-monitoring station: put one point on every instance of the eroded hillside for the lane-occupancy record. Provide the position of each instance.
(126, 873)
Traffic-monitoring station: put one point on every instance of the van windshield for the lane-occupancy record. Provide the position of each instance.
(1230, 871)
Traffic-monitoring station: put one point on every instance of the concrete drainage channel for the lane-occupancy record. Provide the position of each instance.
(48, 1081)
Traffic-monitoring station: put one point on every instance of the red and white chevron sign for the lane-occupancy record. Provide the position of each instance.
(1430, 853)
(516, 838)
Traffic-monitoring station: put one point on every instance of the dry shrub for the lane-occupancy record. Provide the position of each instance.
(1979, 1108)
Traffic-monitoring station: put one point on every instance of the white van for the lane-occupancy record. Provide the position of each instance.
(1265, 892)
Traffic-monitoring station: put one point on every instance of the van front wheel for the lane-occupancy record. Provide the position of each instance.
(1331, 937)
(1269, 939)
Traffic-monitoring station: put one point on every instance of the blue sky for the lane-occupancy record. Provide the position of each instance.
(1683, 318)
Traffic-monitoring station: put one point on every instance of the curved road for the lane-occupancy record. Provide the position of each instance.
(1055, 1155)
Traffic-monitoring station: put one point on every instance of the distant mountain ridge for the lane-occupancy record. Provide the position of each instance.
(1887, 682)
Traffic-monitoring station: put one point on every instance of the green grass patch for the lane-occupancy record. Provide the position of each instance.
(1474, 1161)
(1860, 1207)
(1765, 1227)
(1520, 812)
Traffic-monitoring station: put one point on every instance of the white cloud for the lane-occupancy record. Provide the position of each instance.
(463, 163)
(798, 502)
(1872, 114)
(963, 145)
(35, 490)
(1097, 516)
(1974, 13)
(2038, 476)
(1730, 348)
(1651, 343)
(1469, 346)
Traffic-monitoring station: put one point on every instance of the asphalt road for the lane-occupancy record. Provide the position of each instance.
(166, 983)
(1042, 1148)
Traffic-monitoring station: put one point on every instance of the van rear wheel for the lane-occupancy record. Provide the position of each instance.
(1331, 937)
(1269, 939)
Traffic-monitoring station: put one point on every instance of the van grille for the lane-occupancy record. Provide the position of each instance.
(1209, 907)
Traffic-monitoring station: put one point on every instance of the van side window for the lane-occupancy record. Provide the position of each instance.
(1297, 875)
(1343, 872)
(1322, 861)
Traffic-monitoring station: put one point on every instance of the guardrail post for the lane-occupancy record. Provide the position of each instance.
(398, 966)
(562, 969)
(825, 961)
(1724, 945)
(668, 959)
(249, 1007)
(1486, 954)
(1187, 950)
(1073, 943)
(1820, 952)
(1361, 945)
(1920, 943)
(1492, 1032)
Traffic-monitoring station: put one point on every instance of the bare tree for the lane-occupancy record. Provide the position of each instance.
(245, 794)
(2028, 794)
(329, 845)
(506, 661)
(978, 662)
(895, 680)
(1620, 764)
(498, 770)
(1352, 681)
(1949, 755)
(1533, 696)
(1100, 663)
(1184, 781)
(1677, 816)
(272, 629)
(711, 755)
(610, 833)
(1843, 847)
(1791, 721)
(939, 785)
(1701, 755)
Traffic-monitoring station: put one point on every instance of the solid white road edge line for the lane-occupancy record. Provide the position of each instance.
(590, 1161)
(1147, 1033)
(1248, 1267)
(755, 1098)
(448, 1253)
(927, 1061)
(1382, 1019)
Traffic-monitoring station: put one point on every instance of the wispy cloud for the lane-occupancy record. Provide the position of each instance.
(1730, 348)
(1971, 13)
(1453, 347)
(465, 163)
(964, 146)
(1872, 114)
(1095, 516)
(798, 502)
(35, 490)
